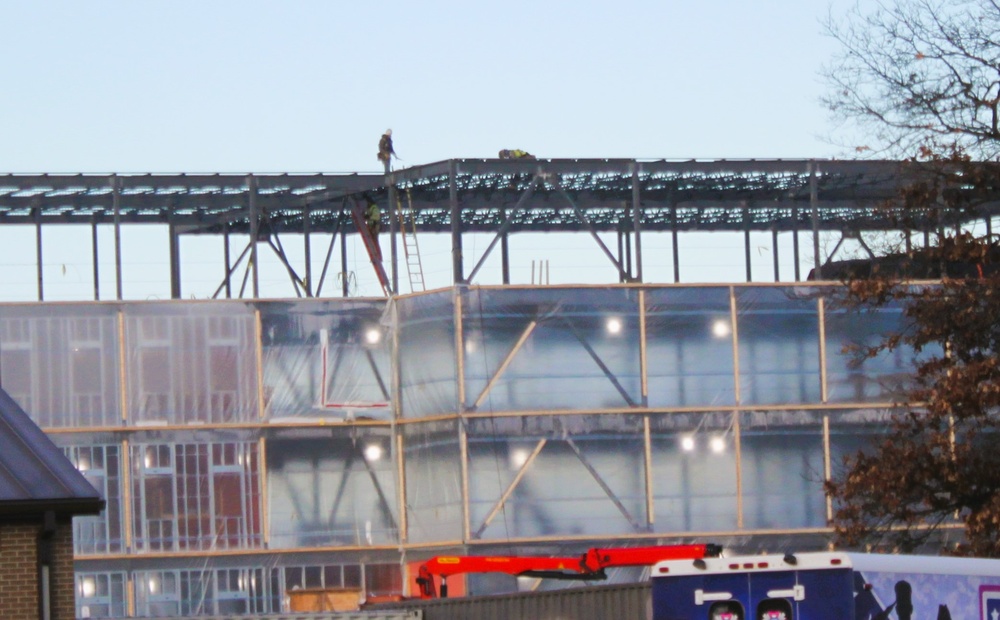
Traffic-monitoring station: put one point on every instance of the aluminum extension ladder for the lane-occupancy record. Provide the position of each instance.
(411, 249)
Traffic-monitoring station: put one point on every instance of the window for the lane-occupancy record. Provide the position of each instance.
(774, 609)
(726, 610)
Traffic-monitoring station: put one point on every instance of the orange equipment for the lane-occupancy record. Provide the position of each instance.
(589, 566)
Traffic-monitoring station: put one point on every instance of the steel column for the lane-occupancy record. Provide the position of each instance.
(795, 244)
(306, 221)
(345, 282)
(621, 253)
(254, 235)
(628, 256)
(504, 251)
(637, 220)
(116, 206)
(774, 245)
(38, 252)
(175, 261)
(814, 205)
(226, 259)
(93, 247)
(746, 239)
(390, 182)
(456, 224)
(675, 252)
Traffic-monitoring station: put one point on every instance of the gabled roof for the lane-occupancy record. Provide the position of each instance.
(35, 475)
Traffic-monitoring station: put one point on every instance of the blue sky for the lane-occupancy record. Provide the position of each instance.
(308, 86)
(224, 86)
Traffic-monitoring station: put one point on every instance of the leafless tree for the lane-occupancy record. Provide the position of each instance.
(916, 72)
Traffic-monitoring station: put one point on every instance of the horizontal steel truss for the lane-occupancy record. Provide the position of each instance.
(674, 195)
(455, 197)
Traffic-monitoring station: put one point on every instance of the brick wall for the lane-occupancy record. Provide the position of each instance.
(19, 572)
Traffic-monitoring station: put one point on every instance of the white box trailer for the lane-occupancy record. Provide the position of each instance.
(827, 586)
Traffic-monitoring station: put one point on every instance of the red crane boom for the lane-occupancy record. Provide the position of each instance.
(589, 566)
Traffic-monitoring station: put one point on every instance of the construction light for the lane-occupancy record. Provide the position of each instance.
(721, 328)
(687, 443)
(373, 452)
(718, 444)
(614, 326)
(373, 335)
(88, 587)
(518, 457)
(154, 585)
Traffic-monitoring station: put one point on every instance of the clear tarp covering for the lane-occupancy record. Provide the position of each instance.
(195, 491)
(852, 379)
(694, 472)
(433, 481)
(781, 455)
(427, 366)
(689, 347)
(98, 456)
(556, 476)
(551, 348)
(236, 585)
(191, 363)
(326, 359)
(60, 362)
(778, 339)
(198, 470)
(332, 487)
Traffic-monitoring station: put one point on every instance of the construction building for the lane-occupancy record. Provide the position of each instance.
(249, 447)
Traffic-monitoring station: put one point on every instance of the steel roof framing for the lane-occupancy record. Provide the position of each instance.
(707, 195)
(487, 196)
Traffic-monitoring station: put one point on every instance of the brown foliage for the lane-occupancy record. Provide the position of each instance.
(939, 461)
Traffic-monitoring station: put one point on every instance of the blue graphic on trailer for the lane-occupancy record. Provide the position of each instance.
(827, 586)
(989, 602)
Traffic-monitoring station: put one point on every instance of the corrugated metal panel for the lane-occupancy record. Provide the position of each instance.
(618, 602)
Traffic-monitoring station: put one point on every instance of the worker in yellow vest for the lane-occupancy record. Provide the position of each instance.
(373, 220)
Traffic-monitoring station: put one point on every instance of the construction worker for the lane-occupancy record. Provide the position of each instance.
(385, 152)
(373, 220)
(515, 154)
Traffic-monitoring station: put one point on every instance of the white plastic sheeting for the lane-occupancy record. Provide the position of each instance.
(282, 428)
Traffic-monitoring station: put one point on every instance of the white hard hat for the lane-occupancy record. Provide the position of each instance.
(388, 132)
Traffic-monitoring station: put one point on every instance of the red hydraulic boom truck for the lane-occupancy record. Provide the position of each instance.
(589, 566)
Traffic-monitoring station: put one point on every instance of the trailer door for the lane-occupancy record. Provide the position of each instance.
(774, 596)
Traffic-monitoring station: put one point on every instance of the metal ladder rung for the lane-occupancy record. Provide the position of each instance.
(411, 249)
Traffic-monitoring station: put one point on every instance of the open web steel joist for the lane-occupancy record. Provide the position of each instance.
(454, 197)
(703, 195)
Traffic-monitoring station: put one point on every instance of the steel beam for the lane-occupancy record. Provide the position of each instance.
(600, 363)
(510, 489)
(503, 365)
(604, 485)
